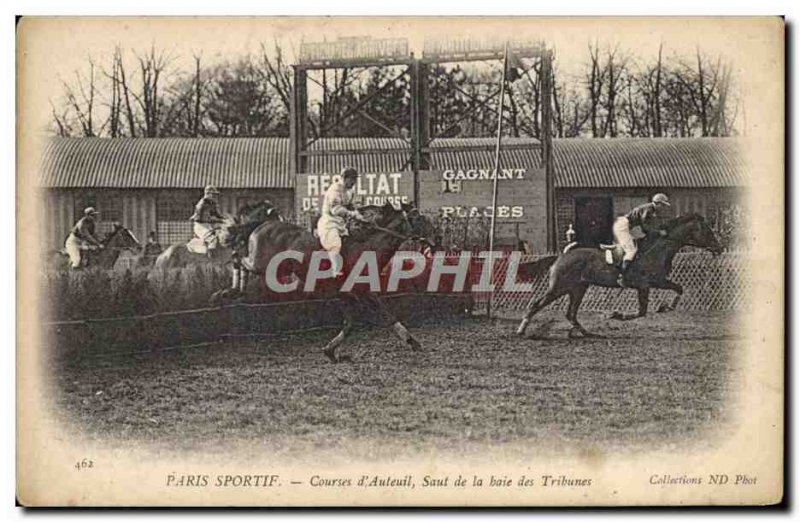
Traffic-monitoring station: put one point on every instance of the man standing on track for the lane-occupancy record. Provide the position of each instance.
(331, 226)
(643, 216)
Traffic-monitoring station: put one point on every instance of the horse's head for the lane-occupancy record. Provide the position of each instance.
(422, 227)
(245, 221)
(121, 238)
(693, 230)
(258, 212)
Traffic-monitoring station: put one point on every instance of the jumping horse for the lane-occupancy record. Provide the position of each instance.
(385, 229)
(233, 230)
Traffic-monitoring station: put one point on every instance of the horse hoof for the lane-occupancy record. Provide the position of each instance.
(574, 334)
(330, 354)
(415, 345)
(616, 316)
(522, 327)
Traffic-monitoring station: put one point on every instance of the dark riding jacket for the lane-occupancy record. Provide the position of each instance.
(206, 211)
(84, 229)
(643, 216)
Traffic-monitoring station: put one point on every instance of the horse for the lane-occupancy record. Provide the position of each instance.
(574, 271)
(114, 243)
(383, 232)
(233, 231)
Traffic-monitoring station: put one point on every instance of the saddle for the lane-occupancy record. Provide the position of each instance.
(614, 254)
(197, 246)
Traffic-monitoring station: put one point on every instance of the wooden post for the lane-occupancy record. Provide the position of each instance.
(547, 149)
(298, 122)
(497, 168)
(420, 160)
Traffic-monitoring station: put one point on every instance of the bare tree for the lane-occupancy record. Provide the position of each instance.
(614, 72)
(151, 67)
(595, 81)
(81, 101)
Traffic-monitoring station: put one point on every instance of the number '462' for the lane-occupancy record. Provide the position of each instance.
(84, 464)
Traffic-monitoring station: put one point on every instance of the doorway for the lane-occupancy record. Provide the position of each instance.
(594, 216)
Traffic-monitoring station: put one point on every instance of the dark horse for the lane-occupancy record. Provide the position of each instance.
(114, 243)
(574, 271)
(234, 231)
(384, 231)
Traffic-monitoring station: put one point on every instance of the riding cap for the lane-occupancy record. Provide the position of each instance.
(90, 211)
(349, 172)
(211, 189)
(661, 198)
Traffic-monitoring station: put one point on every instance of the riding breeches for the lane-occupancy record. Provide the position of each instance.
(623, 237)
(331, 241)
(74, 247)
(207, 232)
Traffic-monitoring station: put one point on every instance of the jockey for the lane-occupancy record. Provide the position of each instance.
(571, 239)
(207, 218)
(82, 237)
(641, 216)
(331, 225)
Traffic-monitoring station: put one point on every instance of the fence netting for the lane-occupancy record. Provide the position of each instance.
(721, 283)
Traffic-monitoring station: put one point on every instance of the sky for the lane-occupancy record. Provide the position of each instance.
(53, 49)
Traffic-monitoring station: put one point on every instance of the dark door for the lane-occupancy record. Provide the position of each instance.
(593, 219)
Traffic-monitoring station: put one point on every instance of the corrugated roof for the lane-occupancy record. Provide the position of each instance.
(649, 162)
(166, 162)
(466, 153)
(375, 155)
(446, 153)
(264, 162)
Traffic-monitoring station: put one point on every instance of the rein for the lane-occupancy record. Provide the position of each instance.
(665, 238)
(400, 236)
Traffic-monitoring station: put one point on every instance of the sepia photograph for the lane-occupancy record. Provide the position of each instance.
(400, 261)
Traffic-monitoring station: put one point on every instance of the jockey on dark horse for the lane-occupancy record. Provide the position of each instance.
(331, 225)
(648, 217)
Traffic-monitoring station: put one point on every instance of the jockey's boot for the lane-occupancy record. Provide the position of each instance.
(621, 278)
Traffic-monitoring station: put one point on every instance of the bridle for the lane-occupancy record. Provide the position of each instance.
(673, 240)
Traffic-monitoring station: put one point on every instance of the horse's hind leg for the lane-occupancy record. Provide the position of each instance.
(347, 327)
(575, 299)
(535, 306)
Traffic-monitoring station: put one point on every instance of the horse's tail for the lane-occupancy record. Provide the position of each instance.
(535, 269)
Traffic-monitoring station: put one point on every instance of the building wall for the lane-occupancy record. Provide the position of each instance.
(165, 211)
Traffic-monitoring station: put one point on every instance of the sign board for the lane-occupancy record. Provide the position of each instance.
(348, 50)
(456, 48)
(521, 210)
(452, 193)
(372, 189)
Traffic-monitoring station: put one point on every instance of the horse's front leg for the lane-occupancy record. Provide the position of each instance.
(236, 288)
(666, 284)
(643, 295)
(347, 327)
(390, 320)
